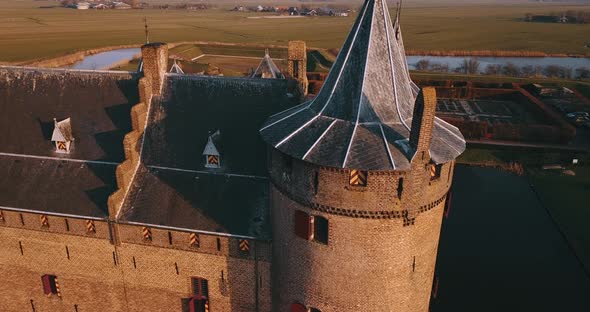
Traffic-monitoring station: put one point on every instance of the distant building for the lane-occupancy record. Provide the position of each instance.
(121, 6)
(82, 5)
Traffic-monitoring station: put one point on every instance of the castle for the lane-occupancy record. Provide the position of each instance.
(159, 191)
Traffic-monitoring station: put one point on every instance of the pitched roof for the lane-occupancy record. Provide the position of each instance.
(98, 102)
(54, 185)
(62, 130)
(174, 187)
(363, 113)
(267, 69)
(210, 148)
(201, 201)
(176, 68)
(194, 106)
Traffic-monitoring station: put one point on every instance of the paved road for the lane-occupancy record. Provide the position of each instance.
(500, 251)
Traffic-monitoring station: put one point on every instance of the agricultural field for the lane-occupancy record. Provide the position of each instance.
(41, 29)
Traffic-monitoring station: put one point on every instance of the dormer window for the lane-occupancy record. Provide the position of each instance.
(62, 135)
(211, 153)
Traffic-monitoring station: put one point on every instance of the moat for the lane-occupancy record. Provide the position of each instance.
(500, 250)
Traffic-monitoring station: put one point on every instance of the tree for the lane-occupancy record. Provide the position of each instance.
(439, 68)
(583, 72)
(510, 69)
(493, 69)
(423, 65)
(527, 71)
(552, 71)
(470, 66)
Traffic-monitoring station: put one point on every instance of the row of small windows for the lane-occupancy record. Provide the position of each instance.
(44, 222)
(198, 302)
(309, 227)
(194, 240)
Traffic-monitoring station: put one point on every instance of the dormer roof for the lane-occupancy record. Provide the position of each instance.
(62, 131)
(362, 116)
(267, 68)
(210, 148)
(176, 68)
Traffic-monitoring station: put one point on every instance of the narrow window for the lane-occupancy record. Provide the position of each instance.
(358, 177)
(200, 299)
(176, 267)
(68, 252)
(316, 182)
(67, 225)
(320, 230)
(50, 285)
(303, 225)
(147, 234)
(400, 187)
(22, 219)
(218, 244)
(169, 238)
(435, 171)
(295, 69)
(20, 245)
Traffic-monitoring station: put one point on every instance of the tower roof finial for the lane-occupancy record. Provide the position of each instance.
(147, 38)
(363, 112)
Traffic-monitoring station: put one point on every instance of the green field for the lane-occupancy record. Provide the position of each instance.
(28, 31)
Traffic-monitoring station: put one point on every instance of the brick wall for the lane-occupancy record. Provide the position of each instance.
(368, 264)
(136, 275)
(382, 249)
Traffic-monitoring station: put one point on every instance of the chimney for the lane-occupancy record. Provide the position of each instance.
(423, 120)
(155, 63)
(298, 64)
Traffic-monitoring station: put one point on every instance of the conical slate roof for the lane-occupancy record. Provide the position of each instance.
(362, 116)
(267, 69)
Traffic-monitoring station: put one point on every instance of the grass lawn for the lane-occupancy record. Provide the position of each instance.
(28, 31)
(566, 197)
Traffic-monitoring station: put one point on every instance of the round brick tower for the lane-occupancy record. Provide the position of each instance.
(359, 179)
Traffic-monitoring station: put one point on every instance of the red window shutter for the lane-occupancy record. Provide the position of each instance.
(46, 284)
(298, 307)
(303, 225)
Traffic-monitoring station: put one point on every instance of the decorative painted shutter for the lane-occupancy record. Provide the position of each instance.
(298, 307)
(303, 225)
